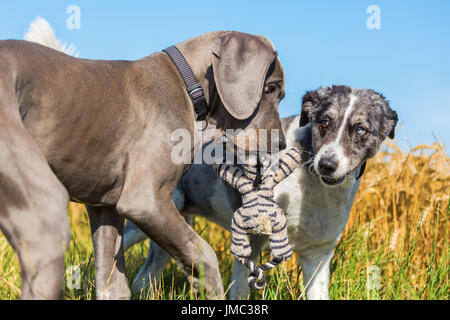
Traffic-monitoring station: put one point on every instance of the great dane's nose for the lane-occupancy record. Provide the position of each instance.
(327, 166)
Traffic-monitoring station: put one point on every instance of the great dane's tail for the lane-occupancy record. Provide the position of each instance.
(40, 31)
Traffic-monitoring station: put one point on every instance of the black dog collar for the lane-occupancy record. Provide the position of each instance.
(194, 88)
(361, 171)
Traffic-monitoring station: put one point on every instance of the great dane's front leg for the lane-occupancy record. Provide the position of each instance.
(107, 231)
(154, 265)
(153, 211)
(133, 235)
(315, 264)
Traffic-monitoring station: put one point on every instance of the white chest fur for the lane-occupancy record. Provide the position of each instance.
(316, 214)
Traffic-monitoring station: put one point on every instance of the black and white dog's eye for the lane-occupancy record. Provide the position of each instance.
(361, 131)
(324, 123)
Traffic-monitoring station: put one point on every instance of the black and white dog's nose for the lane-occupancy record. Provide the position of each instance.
(282, 144)
(327, 166)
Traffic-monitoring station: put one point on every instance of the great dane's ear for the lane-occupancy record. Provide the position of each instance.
(240, 65)
(309, 101)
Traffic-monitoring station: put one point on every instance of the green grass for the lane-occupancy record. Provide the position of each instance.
(399, 278)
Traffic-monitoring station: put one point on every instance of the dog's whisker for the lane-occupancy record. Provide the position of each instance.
(311, 169)
(311, 153)
(307, 162)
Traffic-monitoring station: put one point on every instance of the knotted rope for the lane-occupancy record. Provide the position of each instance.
(256, 279)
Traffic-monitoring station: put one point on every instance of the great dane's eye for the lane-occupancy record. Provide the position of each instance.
(270, 88)
(361, 131)
(324, 123)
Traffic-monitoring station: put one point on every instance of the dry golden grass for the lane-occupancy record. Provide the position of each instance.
(403, 191)
(401, 196)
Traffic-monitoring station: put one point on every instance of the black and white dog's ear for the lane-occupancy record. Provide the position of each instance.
(392, 119)
(380, 110)
(309, 101)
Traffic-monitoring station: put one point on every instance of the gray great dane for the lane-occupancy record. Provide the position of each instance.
(99, 132)
(338, 130)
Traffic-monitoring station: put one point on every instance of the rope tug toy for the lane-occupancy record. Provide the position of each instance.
(259, 213)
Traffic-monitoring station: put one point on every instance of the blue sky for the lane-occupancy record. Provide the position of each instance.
(319, 43)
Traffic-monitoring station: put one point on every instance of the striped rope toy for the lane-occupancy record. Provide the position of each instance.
(259, 213)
